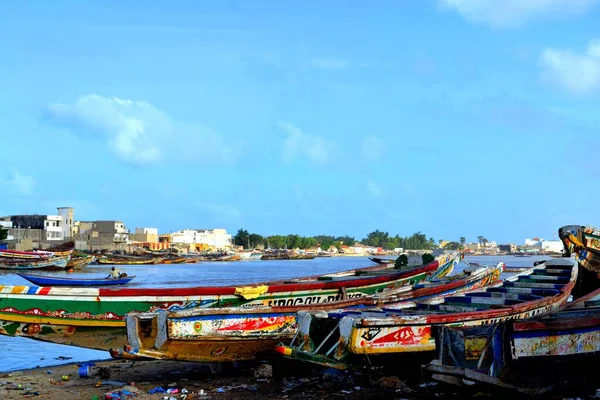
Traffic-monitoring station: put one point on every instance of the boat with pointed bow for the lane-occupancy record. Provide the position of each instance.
(342, 338)
(94, 317)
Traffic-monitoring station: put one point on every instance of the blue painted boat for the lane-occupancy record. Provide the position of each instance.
(44, 280)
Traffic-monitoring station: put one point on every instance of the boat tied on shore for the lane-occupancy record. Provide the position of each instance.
(233, 334)
(340, 338)
(94, 317)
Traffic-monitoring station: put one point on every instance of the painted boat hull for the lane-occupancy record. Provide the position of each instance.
(73, 282)
(175, 335)
(541, 290)
(509, 354)
(64, 312)
(31, 264)
(584, 242)
(124, 261)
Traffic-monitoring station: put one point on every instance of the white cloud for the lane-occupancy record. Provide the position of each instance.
(512, 13)
(297, 143)
(577, 72)
(329, 63)
(372, 148)
(374, 189)
(138, 132)
(19, 184)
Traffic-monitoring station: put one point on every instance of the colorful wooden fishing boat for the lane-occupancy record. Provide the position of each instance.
(29, 255)
(62, 250)
(386, 332)
(379, 260)
(228, 334)
(79, 262)
(172, 260)
(501, 354)
(43, 280)
(584, 242)
(30, 264)
(94, 317)
(128, 261)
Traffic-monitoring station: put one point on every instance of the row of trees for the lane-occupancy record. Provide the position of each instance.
(377, 238)
(253, 240)
(461, 245)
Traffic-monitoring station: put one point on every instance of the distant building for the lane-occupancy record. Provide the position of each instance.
(509, 248)
(147, 235)
(102, 235)
(49, 227)
(213, 238)
(67, 221)
(7, 225)
(548, 246)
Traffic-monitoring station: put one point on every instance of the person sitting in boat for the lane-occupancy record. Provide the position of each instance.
(114, 273)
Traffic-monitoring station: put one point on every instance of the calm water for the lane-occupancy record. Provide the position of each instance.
(28, 353)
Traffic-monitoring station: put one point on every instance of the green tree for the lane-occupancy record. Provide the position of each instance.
(347, 240)
(324, 241)
(3, 233)
(463, 240)
(294, 241)
(241, 238)
(376, 239)
(452, 246)
(277, 241)
(256, 240)
(308, 242)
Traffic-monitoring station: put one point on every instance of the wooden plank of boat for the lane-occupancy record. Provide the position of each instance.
(44, 280)
(124, 261)
(584, 242)
(211, 335)
(401, 331)
(379, 260)
(497, 354)
(94, 317)
(30, 264)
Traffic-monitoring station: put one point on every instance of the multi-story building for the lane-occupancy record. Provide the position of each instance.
(549, 246)
(49, 225)
(67, 222)
(214, 238)
(102, 234)
(146, 235)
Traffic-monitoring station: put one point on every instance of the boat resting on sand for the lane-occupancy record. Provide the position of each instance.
(340, 338)
(94, 317)
(233, 334)
(512, 354)
(44, 280)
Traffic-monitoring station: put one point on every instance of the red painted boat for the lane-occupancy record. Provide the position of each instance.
(388, 331)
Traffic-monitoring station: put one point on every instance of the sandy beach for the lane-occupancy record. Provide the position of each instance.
(189, 381)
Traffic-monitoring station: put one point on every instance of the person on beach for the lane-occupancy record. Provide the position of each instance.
(114, 273)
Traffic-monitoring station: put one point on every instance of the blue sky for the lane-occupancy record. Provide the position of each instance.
(450, 117)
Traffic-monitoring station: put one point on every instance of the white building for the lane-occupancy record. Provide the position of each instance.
(53, 229)
(216, 238)
(7, 225)
(552, 246)
(67, 223)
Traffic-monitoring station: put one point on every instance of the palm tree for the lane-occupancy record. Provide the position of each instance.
(463, 240)
(480, 240)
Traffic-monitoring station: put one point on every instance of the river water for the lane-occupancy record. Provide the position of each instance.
(21, 353)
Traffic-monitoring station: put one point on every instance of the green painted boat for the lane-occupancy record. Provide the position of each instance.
(94, 317)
